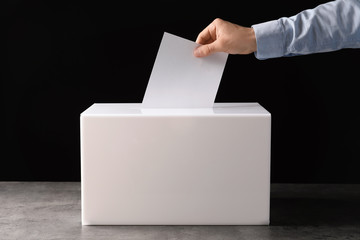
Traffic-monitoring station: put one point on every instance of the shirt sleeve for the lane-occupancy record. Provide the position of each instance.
(328, 27)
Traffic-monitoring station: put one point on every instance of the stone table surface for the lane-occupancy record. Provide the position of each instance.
(51, 210)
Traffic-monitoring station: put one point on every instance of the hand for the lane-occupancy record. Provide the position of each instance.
(223, 36)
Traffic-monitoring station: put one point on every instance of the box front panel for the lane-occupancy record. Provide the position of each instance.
(176, 170)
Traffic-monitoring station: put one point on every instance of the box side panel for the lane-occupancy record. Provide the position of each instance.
(84, 151)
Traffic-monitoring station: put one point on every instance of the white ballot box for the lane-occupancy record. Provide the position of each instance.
(195, 166)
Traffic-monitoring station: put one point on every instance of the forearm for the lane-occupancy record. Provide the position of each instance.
(328, 27)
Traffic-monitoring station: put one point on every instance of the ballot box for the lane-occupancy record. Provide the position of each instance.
(194, 166)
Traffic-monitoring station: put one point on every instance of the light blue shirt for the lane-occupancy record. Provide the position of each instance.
(328, 27)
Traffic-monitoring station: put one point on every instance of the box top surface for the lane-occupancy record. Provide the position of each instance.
(119, 109)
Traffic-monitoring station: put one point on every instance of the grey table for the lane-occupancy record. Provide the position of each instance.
(51, 210)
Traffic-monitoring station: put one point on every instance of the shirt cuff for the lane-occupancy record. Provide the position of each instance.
(269, 40)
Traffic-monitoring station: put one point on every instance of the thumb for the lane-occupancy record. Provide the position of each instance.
(205, 50)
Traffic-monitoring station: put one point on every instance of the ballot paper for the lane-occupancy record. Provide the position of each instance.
(181, 80)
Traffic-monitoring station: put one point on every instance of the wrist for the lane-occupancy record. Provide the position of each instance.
(252, 40)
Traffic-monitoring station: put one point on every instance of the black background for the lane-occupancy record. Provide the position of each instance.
(63, 56)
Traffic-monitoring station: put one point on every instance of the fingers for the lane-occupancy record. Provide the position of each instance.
(208, 40)
(208, 35)
(205, 50)
(205, 36)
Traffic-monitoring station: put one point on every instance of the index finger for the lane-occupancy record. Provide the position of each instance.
(208, 35)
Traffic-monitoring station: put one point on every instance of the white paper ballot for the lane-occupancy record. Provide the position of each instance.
(181, 80)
